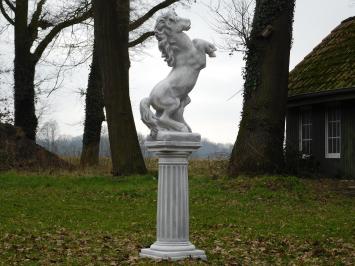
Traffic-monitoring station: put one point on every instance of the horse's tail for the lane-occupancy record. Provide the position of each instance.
(147, 115)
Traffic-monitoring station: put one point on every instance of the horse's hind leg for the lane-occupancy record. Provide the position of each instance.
(166, 121)
(179, 114)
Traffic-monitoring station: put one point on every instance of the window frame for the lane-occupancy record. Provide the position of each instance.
(333, 155)
(300, 128)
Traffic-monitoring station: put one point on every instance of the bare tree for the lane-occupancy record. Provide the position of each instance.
(111, 34)
(259, 145)
(233, 21)
(48, 135)
(5, 111)
(33, 34)
(94, 115)
(6, 114)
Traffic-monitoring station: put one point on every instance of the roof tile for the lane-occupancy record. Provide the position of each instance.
(331, 64)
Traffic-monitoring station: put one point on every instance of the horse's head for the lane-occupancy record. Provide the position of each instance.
(172, 22)
(168, 28)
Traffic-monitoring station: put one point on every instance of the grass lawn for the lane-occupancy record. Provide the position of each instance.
(100, 220)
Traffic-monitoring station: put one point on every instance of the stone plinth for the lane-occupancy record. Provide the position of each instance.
(173, 150)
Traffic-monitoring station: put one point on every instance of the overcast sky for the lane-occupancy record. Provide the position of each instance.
(211, 113)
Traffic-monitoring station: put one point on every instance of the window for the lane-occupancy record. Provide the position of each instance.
(305, 133)
(332, 133)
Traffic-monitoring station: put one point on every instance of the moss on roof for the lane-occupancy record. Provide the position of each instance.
(330, 66)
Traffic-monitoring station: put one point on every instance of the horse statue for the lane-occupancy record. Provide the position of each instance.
(187, 58)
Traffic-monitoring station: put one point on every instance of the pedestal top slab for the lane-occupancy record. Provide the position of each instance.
(175, 136)
(174, 141)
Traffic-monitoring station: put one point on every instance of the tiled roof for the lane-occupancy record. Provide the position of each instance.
(330, 66)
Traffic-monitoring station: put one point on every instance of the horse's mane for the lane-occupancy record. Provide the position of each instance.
(163, 34)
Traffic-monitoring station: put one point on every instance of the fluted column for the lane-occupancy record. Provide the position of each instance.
(173, 202)
(173, 198)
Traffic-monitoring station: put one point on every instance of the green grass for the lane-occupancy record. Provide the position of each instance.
(101, 220)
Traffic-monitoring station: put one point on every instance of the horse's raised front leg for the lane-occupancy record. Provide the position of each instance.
(210, 49)
(205, 47)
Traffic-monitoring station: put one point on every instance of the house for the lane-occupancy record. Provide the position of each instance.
(320, 122)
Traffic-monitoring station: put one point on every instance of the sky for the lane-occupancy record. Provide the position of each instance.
(215, 106)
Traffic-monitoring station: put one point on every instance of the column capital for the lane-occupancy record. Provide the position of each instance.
(178, 143)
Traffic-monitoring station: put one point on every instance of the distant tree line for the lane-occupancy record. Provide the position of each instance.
(71, 146)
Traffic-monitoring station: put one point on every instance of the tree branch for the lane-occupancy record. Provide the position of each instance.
(3, 12)
(141, 39)
(37, 14)
(33, 26)
(10, 4)
(137, 23)
(56, 29)
(234, 19)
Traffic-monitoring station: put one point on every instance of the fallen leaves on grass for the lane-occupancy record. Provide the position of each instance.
(63, 246)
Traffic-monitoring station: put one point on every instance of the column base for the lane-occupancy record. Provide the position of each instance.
(172, 251)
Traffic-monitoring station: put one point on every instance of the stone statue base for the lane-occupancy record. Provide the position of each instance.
(173, 150)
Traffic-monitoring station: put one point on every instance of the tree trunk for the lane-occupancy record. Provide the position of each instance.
(24, 72)
(94, 115)
(259, 145)
(111, 33)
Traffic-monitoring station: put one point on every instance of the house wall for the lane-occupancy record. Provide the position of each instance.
(345, 165)
(292, 120)
(348, 134)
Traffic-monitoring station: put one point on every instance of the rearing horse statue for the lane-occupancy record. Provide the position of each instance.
(170, 96)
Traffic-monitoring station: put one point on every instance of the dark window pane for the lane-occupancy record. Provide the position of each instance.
(338, 145)
(305, 150)
(336, 125)
(330, 146)
(306, 131)
(334, 130)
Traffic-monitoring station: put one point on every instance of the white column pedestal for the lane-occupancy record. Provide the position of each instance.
(173, 197)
